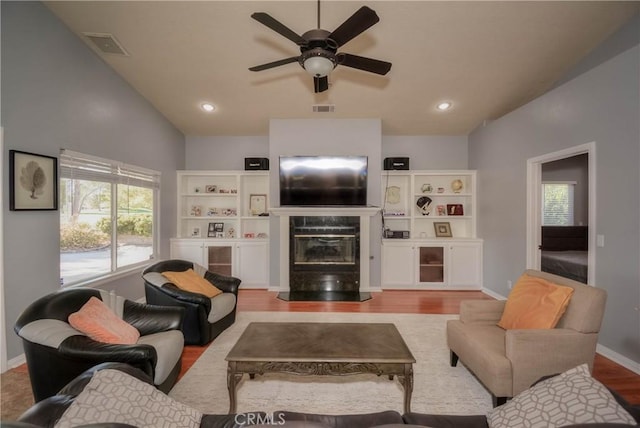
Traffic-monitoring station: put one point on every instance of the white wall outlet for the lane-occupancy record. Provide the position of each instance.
(509, 284)
(600, 240)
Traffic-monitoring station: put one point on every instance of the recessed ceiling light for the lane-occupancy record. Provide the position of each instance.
(445, 105)
(208, 107)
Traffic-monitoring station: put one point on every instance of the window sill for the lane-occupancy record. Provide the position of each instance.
(104, 279)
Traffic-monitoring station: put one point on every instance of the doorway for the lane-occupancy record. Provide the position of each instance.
(567, 244)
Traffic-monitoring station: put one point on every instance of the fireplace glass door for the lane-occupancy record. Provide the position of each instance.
(325, 249)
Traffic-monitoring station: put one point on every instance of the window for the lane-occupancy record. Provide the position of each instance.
(108, 217)
(557, 203)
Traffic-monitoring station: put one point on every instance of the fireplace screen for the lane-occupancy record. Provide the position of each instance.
(325, 249)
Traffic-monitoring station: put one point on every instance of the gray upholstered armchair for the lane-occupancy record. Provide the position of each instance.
(508, 361)
(205, 318)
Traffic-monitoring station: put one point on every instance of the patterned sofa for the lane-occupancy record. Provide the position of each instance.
(48, 412)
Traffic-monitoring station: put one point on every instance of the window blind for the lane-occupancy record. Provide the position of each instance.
(86, 167)
(557, 207)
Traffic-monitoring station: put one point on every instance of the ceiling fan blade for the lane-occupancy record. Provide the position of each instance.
(362, 63)
(279, 28)
(274, 64)
(362, 19)
(320, 84)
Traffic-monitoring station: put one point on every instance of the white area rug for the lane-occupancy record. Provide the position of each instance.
(438, 388)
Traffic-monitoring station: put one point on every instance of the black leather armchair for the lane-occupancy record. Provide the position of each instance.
(56, 352)
(205, 318)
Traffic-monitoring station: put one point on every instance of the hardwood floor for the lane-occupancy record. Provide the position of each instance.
(618, 378)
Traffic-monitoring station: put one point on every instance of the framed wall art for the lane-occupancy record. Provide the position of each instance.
(33, 181)
(443, 229)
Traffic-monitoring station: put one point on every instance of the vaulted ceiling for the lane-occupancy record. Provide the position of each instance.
(487, 58)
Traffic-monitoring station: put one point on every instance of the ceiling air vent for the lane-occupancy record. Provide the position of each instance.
(324, 108)
(106, 43)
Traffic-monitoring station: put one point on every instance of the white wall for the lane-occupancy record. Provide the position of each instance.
(600, 105)
(56, 93)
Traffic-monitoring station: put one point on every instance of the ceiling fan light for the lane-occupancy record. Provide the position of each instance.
(318, 66)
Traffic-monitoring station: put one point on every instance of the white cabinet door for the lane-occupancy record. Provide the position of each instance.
(252, 264)
(464, 265)
(188, 249)
(398, 265)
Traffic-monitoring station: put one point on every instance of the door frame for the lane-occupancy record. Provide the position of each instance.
(534, 204)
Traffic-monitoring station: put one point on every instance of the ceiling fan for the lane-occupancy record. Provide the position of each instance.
(319, 48)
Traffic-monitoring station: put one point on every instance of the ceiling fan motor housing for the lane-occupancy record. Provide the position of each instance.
(318, 45)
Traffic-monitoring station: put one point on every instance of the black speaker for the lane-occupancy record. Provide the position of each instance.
(252, 164)
(396, 163)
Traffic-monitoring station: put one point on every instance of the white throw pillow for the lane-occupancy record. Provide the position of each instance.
(114, 396)
(573, 397)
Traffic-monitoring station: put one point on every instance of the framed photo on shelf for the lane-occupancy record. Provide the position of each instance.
(443, 229)
(195, 232)
(215, 230)
(455, 209)
(33, 181)
(257, 204)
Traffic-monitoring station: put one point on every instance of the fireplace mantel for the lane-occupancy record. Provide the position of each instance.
(365, 213)
(325, 211)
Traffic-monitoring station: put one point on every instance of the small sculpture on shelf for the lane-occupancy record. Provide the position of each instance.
(457, 185)
(424, 203)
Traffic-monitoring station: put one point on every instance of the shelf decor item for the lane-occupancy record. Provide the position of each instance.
(196, 210)
(210, 188)
(426, 188)
(457, 185)
(393, 195)
(443, 229)
(455, 209)
(257, 204)
(211, 231)
(33, 181)
(424, 203)
(195, 232)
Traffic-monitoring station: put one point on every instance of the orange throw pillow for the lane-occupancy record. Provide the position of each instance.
(101, 324)
(535, 303)
(189, 280)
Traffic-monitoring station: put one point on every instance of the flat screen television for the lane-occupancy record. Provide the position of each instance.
(323, 180)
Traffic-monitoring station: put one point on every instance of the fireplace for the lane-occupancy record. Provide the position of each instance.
(324, 253)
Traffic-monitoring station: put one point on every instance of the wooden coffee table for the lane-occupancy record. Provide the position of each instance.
(326, 349)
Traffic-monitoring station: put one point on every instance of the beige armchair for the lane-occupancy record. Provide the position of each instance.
(508, 361)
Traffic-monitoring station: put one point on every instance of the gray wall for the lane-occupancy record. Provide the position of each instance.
(574, 168)
(56, 93)
(600, 105)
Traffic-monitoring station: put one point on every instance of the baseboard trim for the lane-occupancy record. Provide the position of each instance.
(493, 294)
(16, 362)
(618, 359)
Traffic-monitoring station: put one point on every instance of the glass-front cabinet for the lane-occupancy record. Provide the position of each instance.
(431, 264)
(219, 259)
